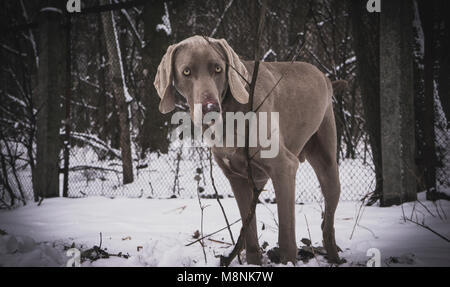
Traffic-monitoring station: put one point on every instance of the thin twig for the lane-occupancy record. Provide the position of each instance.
(426, 208)
(443, 212)
(403, 212)
(201, 222)
(214, 31)
(272, 213)
(310, 240)
(226, 60)
(219, 241)
(368, 229)
(226, 260)
(412, 211)
(358, 216)
(217, 196)
(437, 210)
(220, 203)
(211, 234)
(282, 76)
(429, 228)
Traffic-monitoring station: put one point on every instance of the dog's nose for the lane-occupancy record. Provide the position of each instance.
(210, 106)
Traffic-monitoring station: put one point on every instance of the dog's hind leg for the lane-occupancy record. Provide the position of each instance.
(321, 154)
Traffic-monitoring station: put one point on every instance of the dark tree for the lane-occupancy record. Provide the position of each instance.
(153, 135)
(51, 88)
(366, 37)
(119, 90)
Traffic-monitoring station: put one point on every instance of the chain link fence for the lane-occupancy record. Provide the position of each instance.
(95, 165)
(442, 135)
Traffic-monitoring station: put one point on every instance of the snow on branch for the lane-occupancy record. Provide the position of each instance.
(30, 36)
(267, 54)
(128, 98)
(166, 22)
(95, 142)
(51, 9)
(132, 26)
(419, 38)
(11, 50)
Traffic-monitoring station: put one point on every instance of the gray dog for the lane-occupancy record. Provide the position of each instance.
(209, 73)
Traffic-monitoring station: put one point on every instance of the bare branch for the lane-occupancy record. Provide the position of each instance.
(429, 228)
(211, 234)
(226, 260)
(214, 31)
(217, 196)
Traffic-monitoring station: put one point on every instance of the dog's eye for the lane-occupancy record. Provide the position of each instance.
(218, 69)
(187, 72)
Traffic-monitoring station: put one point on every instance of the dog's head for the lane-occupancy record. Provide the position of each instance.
(201, 69)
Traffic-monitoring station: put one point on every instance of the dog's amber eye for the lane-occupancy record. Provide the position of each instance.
(187, 72)
(218, 69)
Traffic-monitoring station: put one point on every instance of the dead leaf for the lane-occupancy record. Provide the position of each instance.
(196, 234)
(306, 241)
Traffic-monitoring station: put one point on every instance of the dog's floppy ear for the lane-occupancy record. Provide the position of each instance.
(236, 71)
(164, 81)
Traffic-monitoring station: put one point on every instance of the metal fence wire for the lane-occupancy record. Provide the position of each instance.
(165, 169)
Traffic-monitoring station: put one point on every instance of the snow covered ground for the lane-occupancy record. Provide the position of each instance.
(154, 232)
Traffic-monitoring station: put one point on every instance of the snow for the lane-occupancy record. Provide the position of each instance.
(267, 54)
(349, 61)
(133, 27)
(128, 98)
(24, 251)
(160, 229)
(51, 9)
(419, 38)
(165, 26)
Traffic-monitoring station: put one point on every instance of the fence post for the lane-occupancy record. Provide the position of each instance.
(397, 103)
(51, 81)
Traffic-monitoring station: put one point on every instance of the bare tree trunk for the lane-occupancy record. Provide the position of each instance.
(366, 45)
(67, 123)
(153, 133)
(102, 101)
(51, 87)
(397, 104)
(429, 148)
(119, 90)
(419, 106)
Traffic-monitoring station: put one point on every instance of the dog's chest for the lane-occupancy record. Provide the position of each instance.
(233, 161)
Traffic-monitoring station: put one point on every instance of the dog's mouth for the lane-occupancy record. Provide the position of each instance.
(209, 123)
(207, 114)
(206, 123)
(210, 112)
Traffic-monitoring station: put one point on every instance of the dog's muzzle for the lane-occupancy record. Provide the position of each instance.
(210, 106)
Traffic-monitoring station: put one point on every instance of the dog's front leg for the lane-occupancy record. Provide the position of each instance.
(282, 172)
(243, 194)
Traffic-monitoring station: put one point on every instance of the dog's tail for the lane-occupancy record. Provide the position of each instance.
(339, 86)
